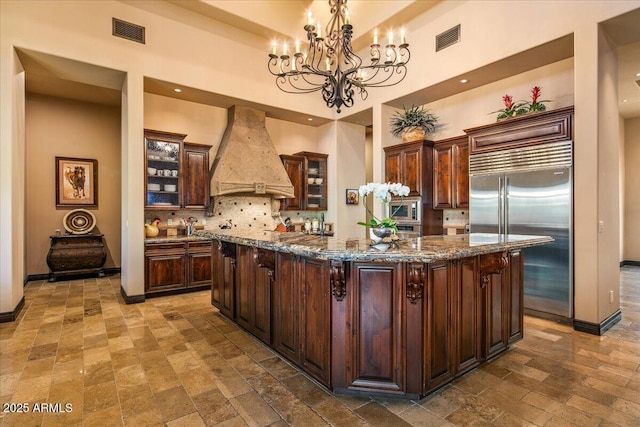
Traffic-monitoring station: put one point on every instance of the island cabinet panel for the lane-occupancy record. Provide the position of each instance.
(467, 310)
(315, 318)
(253, 294)
(224, 269)
(286, 340)
(439, 360)
(516, 297)
(376, 347)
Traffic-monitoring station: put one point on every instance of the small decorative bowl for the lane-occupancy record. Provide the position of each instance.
(310, 180)
(319, 180)
(151, 171)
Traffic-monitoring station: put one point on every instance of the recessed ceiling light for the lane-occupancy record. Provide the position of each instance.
(310, 119)
(637, 74)
(625, 100)
(463, 81)
(177, 90)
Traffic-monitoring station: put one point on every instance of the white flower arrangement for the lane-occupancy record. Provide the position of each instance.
(383, 192)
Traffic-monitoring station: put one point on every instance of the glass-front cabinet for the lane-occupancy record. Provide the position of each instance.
(316, 180)
(163, 172)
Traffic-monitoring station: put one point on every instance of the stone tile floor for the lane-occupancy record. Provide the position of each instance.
(176, 361)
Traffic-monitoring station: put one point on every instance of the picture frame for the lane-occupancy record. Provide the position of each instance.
(352, 197)
(76, 182)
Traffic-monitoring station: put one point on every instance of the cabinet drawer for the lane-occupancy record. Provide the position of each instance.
(176, 247)
(200, 246)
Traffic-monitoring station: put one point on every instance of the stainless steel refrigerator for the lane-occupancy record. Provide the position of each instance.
(529, 190)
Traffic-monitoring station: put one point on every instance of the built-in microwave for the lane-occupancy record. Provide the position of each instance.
(405, 209)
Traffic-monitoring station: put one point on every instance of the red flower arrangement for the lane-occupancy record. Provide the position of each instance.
(536, 105)
(512, 109)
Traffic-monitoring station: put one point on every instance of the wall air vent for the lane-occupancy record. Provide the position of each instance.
(448, 38)
(128, 31)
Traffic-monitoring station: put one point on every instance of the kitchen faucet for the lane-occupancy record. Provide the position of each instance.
(191, 225)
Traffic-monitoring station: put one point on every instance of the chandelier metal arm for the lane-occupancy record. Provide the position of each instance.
(329, 64)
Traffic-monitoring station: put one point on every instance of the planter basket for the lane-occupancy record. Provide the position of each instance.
(413, 134)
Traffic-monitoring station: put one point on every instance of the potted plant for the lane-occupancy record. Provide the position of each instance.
(413, 123)
(536, 104)
(511, 109)
(385, 227)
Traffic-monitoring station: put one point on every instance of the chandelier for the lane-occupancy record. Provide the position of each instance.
(329, 64)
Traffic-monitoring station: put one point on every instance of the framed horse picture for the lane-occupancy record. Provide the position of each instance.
(76, 182)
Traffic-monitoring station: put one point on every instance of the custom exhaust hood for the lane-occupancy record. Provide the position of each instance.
(247, 161)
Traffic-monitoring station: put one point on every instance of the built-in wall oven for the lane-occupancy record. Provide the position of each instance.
(406, 212)
(405, 209)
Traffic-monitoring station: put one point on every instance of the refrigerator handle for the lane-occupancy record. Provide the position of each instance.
(506, 205)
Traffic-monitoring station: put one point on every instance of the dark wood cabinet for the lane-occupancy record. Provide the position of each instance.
(165, 266)
(412, 165)
(308, 174)
(375, 344)
(314, 317)
(467, 315)
(407, 163)
(285, 297)
(294, 165)
(224, 272)
(196, 176)
(75, 254)
(451, 173)
(177, 172)
(253, 292)
(177, 265)
(395, 329)
(439, 299)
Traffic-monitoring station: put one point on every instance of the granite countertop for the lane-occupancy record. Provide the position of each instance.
(421, 249)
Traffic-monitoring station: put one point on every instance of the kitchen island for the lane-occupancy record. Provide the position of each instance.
(398, 321)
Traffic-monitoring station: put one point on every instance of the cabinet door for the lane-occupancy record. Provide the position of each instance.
(200, 269)
(196, 176)
(261, 326)
(225, 276)
(412, 170)
(165, 268)
(439, 347)
(217, 275)
(467, 311)
(163, 152)
(285, 299)
(315, 318)
(294, 165)
(442, 177)
(376, 319)
(393, 161)
(516, 296)
(461, 175)
(245, 284)
(315, 180)
(496, 318)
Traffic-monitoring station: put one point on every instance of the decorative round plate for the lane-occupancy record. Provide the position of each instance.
(79, 221)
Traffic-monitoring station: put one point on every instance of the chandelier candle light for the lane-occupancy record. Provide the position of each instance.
(329, 65)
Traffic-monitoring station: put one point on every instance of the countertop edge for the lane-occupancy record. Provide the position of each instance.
(370, 254)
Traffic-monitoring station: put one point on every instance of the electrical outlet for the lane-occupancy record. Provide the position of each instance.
(203, 221)
(169, 221)
(600, 226)
(610, 297)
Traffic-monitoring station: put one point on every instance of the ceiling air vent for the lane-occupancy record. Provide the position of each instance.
(128, 31)
(448, 38)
